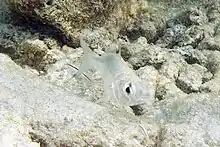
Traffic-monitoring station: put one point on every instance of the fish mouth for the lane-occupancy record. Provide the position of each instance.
(138, 109)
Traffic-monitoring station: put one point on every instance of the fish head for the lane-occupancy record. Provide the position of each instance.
(134, 92)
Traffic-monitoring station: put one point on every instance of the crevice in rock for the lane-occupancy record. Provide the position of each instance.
(159, 93)
(135, 31)
(39, 139)
(183, 87)
(198, 41)
(50, 2)
(136, 67)
(191, 60)
(42, 29)
(160, 137)
(207, 78)
(211, 65)
(172, 44)
(9, 50)
(132, 34)
(157, 66)
(204, 80)
(160, 32)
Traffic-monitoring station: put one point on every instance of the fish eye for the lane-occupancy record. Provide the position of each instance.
(128, 88)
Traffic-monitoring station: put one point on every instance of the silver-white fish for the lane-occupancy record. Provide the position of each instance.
(121, 84)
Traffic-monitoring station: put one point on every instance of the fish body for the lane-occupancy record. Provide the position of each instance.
(121, 84)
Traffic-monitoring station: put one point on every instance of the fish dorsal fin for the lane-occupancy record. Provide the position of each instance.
(87, 62)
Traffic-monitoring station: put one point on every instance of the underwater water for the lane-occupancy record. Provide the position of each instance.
(145, 73)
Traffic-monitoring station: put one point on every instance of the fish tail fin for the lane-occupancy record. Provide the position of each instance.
(88, 57)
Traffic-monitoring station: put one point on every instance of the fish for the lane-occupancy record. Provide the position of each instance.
(121, 84)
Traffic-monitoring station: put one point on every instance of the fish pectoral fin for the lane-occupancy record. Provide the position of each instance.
(79, 70)
(83, 67)
(77, 73)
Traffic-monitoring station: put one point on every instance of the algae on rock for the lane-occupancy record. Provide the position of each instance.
(71, 16)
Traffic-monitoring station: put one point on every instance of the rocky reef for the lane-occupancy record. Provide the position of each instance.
(173, 45)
